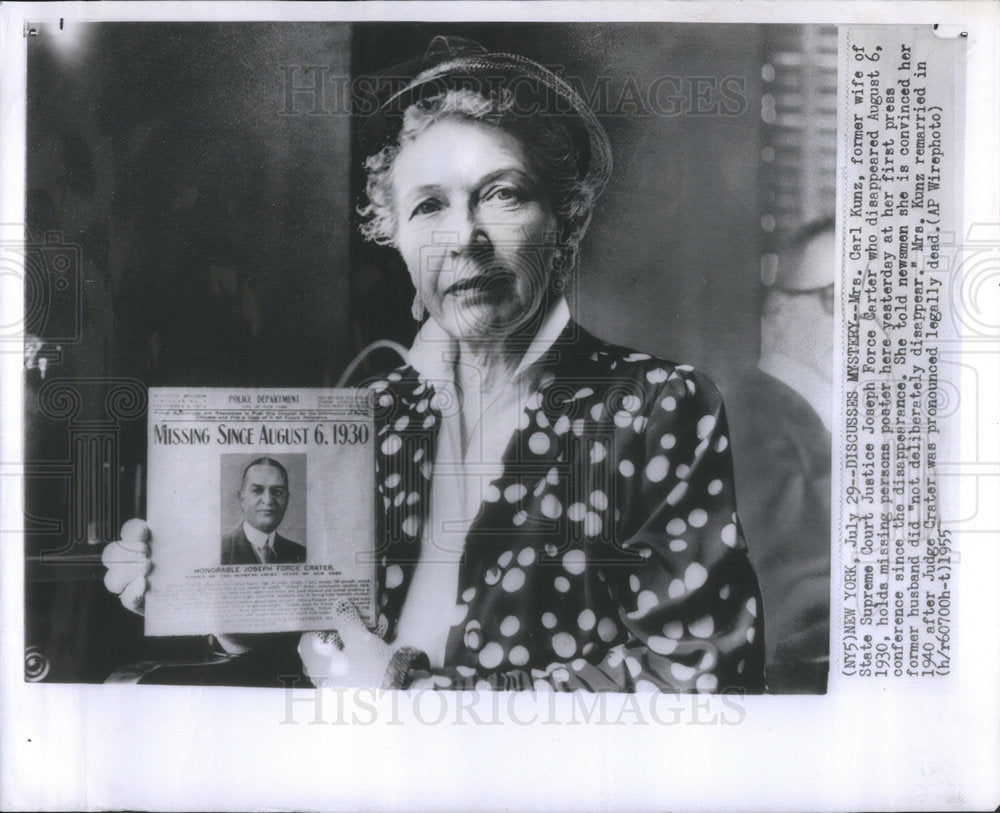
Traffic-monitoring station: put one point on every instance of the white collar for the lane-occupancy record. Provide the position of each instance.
(434, 352)
(256, 537)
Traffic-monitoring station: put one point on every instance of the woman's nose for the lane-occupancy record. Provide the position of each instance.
(466, 230)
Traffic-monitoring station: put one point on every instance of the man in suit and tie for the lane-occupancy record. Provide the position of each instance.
(263, 497)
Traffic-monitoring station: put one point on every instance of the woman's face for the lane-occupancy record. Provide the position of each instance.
(474, 229)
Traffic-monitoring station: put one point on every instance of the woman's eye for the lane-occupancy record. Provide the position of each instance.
(426, 207)
(504, 194)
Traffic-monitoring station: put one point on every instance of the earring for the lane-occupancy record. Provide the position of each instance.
(417, 308)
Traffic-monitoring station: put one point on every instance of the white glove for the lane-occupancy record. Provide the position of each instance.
(128, 563)
(348, 657)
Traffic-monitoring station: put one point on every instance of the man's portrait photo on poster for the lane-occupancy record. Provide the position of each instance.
(263, 509)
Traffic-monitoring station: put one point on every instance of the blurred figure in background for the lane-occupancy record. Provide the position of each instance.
(780, 428)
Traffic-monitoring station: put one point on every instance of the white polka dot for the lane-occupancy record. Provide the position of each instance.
(458, 614)
(394, 376)
(697, 518)
(676, 589)
(542, 420)
(633, 666)
(393, 576)
(578, 425)
(705, 426)
(401, 423)
(634, 583)
(491, 655)
(715, 487)
(551, 549)
(632, 403)
(752, 606)
(411, 525)
(562, 425)
(586, 620)
(418, 455)
(669, 403)
(596, 411)
(724, 592)
(515, 492)
(574, 561)
(751, 634)
(708, 661)
(676, 526)
(505, 558)
(729, 535)
(695, 576)
(551, 506)
(668, 441)
(563, 644)
(638, 357)
(552, 476)
(661, 646)
(465, 671)
(598, 452)
(526, 557)
(385, 400)
(492, 575)
(657, 468)
(703, 627)
(626, 468)
(599, 500)
(513, 580)
(518, 656)
(538, 443)
(639, 424)
(523, 421)
(644, 602)
(428, 422)
(681, 671)
(584, 392)
(510, 625)
(592, 524)
(673, 629)
(677, 493)
(534, 401)
(577, 511)
(392, 480)
(682, 471)
(548, 620)
(721, 443)
(398, 501)
(378, 386)
(623, 418)
(520, 518)
(540, 487)
(691, 386)
(656, 376)
(412, 498)
(677, 545)
(391, 444)
(706, 683)
(561, 583)
(578, 664)
(607, 630)
(491, 494)
(468, 594)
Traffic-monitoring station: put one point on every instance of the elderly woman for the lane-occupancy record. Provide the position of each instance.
(559, 511)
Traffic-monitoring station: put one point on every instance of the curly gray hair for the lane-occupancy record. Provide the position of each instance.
(548, 148)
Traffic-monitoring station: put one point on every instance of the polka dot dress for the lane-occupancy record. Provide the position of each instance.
(607, 555)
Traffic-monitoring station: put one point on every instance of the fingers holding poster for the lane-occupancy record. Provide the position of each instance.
(261, 510)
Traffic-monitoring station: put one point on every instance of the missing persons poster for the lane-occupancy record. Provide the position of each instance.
(265, 504)
(801, 203)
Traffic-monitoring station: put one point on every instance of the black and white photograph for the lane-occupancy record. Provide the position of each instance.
(263, 519)
(593, 369)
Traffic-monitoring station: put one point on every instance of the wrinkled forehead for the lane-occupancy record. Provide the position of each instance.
(264, 474)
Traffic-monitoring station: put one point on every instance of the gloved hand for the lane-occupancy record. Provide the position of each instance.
(348, 657)
(128, 563)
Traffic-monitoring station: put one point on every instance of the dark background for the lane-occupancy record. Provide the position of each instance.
(211, 221)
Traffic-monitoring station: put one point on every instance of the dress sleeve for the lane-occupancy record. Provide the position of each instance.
(687, 599)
